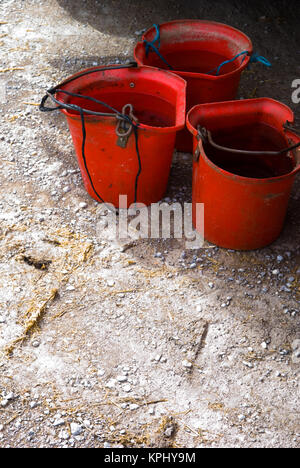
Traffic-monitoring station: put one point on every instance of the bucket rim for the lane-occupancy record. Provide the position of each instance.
(225, 26)
(236, 102)
(180, 103)
(249, 180)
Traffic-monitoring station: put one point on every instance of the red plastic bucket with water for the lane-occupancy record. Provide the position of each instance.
(138, 165)
(194, 48)
(245, 195)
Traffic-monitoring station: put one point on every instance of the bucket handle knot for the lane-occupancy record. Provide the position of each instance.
(206, 136)
(125, 126)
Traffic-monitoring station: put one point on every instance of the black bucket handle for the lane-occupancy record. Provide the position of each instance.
(206, 136)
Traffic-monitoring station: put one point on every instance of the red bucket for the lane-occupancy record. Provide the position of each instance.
(117, 158)
(242, 171)
(195, 49)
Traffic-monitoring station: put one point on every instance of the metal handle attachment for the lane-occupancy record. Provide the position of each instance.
(124, 127)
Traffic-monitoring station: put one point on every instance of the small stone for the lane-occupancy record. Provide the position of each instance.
(59, 422)
(199, 308)
(279, 258)
(264, 345)
(248, 364)
(211, 285)
(2, 319)
(66, 189)
(83, 205)
(76, 429)
(169, 431)
(127, 388)
(138, 33)
(35, 344)
(111, 383)
(122, 378)
(110, 283)
(64, 435)
(275, 272)
(187, 364)
(4, 403)
(133, 406)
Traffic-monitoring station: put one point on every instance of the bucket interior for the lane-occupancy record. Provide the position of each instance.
(154, 101)
(258, 136)
(195, 47)
(149, 110)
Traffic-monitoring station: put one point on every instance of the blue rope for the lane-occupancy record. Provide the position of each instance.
(259, 58)
(253, 59)
(217, 69)
(150, 44)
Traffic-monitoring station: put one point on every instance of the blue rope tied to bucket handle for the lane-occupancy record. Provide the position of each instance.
(253, 59)
(259, 58)
(151, 45)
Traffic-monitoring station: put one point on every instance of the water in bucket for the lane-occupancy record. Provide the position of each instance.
(254, 137)
(149, 110)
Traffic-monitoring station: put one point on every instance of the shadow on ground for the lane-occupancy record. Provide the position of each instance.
(117, 17)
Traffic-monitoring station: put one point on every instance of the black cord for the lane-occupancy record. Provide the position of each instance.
(135, 129)
(82, 111)
(94, 70)
(83, 154)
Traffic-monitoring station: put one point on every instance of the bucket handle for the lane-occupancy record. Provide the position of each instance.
(206, 136)
(129, 118)
(124, 128)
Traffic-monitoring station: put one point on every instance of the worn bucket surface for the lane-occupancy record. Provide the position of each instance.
(195, 49)
(245, 196)
(158, 103)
